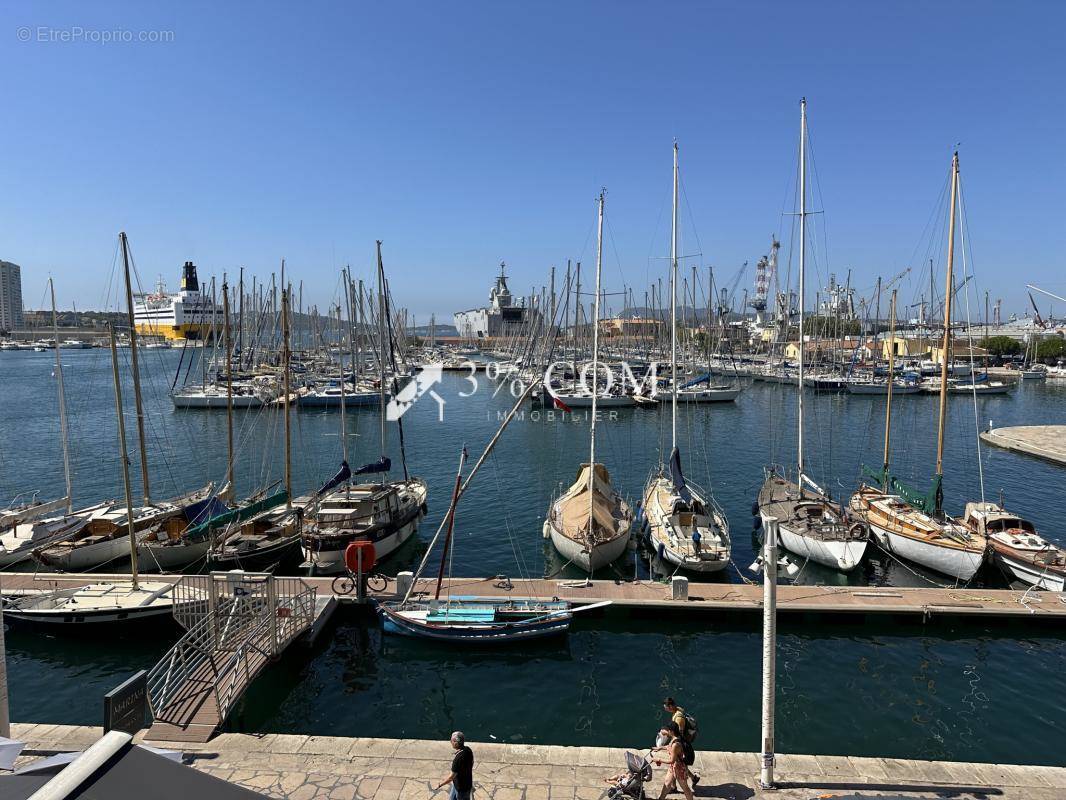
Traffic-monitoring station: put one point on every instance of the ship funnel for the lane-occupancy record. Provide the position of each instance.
(189, 282)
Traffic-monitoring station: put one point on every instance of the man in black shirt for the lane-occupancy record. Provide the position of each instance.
(462, 775)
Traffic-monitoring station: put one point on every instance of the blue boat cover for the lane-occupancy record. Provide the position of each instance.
(678, 478)
(344, 474)
(384, 465)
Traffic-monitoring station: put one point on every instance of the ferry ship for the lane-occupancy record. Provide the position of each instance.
(185, 315)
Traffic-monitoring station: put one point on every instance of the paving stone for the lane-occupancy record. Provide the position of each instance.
(869, 769)
(282, 743)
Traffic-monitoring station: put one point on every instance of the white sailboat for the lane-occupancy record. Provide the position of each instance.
(811, 525)
(106, 601)
(386, 513)
(684, 527)
(903, 522)
(590, 524)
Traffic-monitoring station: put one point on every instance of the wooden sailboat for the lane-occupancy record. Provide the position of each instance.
(101, 540)
(811, 525)
(590, 523)
(684, 528)
(904, 522)
(472, 619)
(385, 513)
(107, 601)
(267, 528)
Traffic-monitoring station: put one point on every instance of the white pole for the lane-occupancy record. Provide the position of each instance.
(769, 654)
(673, 314)
(595, 375)
(5, 718)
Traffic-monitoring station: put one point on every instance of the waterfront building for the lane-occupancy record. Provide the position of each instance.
(189, 314)
(10, 296)
(501, 317)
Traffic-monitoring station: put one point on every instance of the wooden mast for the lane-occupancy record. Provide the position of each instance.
(891, 379)
(451, 523)
(62, 399)
(136, 370)
(381, 338)
(944, 356)
(802, 265)
(229, 385)
(124, 454)
(286, 358)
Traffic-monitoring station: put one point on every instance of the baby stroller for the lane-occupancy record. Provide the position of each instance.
(631, 784)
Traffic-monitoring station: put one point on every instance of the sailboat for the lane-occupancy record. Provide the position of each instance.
(32, 525)
(266, 528)
(811, 525)
(473, 619)
(106, 601)
(905, 522)
(101, 539)
(340, 512)
(684, 528)
(590, 523)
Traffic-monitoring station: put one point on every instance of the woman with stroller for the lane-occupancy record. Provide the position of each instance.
(677, 776)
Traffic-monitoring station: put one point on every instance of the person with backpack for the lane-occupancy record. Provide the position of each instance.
(688, 729)
(677, 752)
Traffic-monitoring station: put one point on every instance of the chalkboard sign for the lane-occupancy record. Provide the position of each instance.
(126, 706)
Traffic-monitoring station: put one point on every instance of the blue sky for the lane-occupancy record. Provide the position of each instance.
(466, 133)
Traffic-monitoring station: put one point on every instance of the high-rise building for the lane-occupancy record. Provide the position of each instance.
(10, 296)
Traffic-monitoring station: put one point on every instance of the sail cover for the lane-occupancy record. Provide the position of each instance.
(344, 474)
(384, 465)
(677, 477)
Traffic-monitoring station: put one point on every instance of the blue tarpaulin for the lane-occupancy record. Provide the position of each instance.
(678, 478)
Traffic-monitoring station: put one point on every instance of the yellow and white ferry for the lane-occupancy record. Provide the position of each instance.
(189, 314)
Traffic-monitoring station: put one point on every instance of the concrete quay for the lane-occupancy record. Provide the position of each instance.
(336, 768)
(1042, 441)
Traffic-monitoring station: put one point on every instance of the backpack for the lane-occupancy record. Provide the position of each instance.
(692, 728)
(689, 753)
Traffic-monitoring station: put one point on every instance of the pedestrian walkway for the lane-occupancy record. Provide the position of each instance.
(333, 768)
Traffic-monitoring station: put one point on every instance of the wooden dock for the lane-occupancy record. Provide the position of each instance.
(1043, 441)
(728, 599)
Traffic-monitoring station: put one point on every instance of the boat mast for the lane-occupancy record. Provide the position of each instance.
(62, 398)
(340, 364)
(595, 369)
(136, 371)
(948, 292)
(891, 379)
(229, 384)
(123, 452)
(286, 358)
(673, 312)
(802, 254)
(451, 523)
(381, 336)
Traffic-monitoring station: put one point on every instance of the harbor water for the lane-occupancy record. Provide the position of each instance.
(963, 692)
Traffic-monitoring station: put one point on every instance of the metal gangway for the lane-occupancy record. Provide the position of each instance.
(236, 623)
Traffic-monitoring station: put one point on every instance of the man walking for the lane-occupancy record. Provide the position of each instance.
(685, 726)
(461, 776)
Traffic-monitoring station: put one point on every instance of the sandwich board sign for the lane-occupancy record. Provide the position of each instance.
(126, 706)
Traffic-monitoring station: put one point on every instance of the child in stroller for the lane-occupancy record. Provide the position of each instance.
(630, 784)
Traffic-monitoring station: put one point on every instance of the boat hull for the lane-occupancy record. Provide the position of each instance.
(1029, 573)
(954, 562)
(397, 622)
(330, 560)
(843, 556)
(577, 553)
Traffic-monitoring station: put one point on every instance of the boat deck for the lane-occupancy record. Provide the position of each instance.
(703, 598)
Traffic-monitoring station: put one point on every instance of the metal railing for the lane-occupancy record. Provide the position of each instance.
(230, 617)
